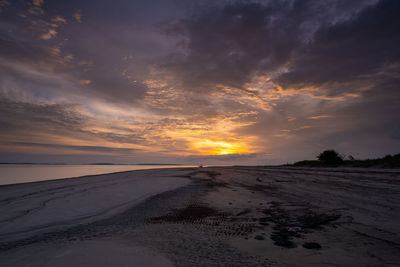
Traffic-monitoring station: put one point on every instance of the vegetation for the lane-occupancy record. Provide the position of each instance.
(308, 163)
(330, 158)
(388, 161)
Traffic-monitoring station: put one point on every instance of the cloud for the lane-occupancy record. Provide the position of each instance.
(85, 82)
(247, 39)
(37, 2)
(243, 40)
(333, 51)
(64, 124)
(58, 20)
(50, 34)
(281, 80)
(3, 4)
(96, 149)
(320, 117)
(78, 16)
(37, 116)
(347, 54)
(35, 8)
(300, 46)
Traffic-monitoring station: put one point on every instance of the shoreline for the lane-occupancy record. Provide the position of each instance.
(53, 203)
(144, 167)
(239, 216)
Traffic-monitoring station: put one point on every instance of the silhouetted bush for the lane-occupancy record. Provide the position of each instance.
(330, 157)
(388, 161)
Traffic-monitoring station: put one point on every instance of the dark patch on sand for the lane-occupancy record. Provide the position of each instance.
(188, 214)
(244, 212)
(314, 220)
(212, 180)
(259, 237)
(293, 223)
(311, 245)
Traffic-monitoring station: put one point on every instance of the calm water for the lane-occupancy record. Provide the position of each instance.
(14, 174)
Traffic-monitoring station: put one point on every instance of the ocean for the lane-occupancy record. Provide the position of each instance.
(25, 173)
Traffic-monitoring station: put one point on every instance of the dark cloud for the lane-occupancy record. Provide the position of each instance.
(228, 44)
(112, 58)
(131, 137)
(349, 51)
(37, 116)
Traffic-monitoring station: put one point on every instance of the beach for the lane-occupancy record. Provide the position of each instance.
(212, 216)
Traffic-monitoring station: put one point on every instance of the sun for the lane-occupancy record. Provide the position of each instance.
(210, 147)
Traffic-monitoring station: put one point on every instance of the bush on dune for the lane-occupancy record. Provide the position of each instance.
(388, 161)
(330, 158)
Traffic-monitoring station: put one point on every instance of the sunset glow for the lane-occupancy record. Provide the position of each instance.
(208, 147)
(199, 132)
(194, 81)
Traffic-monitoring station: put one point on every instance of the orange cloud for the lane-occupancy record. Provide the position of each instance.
(50, 34)
(78, 16)
(57, 20)
(320, 117)
(85, 82)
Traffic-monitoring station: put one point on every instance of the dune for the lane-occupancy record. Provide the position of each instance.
(215, 216)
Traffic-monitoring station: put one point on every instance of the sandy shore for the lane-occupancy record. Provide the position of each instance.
(220, 216)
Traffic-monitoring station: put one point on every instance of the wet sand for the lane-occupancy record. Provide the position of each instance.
(217, 216)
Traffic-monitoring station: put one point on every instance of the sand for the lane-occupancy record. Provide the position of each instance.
(216, 216)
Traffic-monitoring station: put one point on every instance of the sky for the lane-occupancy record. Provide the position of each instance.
(198, 82)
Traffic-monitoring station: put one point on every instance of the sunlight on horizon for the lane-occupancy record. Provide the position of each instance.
(209, 147)
(181, 87)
